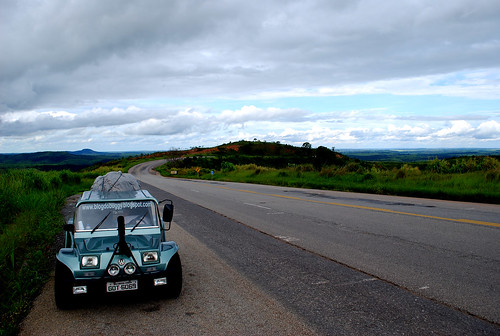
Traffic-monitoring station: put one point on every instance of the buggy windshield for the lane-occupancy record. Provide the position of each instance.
(104, 215)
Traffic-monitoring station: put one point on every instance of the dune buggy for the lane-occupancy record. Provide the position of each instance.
(117, 243)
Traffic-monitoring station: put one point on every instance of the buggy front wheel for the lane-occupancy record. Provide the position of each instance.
(174, 277)
(63, 287)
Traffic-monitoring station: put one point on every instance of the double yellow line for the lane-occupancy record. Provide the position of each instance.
(461, 220)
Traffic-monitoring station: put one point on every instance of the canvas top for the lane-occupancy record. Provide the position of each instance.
(116, 181)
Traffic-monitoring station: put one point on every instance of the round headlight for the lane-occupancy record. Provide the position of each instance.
(113, 270)
(129, 268)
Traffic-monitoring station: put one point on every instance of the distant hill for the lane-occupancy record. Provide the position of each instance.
(416, 155)
(59, 160)
(278, 155)
(87, 151)
(263, 153)
(271, 154)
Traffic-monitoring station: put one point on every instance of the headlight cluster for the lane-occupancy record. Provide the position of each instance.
(90, 261)
(129, 269)
(149, 257)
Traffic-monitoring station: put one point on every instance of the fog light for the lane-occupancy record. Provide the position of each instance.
(113, 270)
(80, 290)
(160, 281)
(129, 268)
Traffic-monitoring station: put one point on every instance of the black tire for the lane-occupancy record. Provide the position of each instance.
(174, 277)
(63, 287)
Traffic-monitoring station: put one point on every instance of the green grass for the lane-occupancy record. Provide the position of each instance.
(471, 179)
(30, 204)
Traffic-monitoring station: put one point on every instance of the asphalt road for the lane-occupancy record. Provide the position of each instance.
(353, 262)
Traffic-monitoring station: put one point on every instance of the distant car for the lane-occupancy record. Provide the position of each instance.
(116, 242)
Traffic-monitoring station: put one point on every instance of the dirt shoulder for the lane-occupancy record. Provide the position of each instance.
(215, 300)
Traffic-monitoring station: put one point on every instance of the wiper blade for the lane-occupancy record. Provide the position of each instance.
(139, 222)
(102, 221)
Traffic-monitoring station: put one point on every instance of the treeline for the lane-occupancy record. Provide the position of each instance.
(278, 156)
(468, 178)
(266, 154)
(416, 155)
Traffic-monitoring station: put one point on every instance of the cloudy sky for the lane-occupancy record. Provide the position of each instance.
(156, 75)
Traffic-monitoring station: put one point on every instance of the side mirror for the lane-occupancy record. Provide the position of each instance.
(168, 212)
(70, 227)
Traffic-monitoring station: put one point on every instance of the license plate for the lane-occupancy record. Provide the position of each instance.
(121, 286)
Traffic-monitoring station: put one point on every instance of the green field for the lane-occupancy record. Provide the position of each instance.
(416, 155)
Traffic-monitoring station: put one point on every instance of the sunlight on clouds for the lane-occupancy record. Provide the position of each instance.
(32, 116)
(253, 113)
(458, 127)
(61, 115)
(180, 127)
(478, 84)
(489, 130)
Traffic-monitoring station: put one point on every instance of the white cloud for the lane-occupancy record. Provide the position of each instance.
(457, 128)
(253, 113)
(83, 51)
(489, 130)
(89, 70)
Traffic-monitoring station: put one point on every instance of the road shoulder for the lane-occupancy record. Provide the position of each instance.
(215, 300)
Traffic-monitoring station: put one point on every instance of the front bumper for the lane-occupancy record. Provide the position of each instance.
(145, 283)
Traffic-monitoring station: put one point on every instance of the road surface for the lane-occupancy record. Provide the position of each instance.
(444, 251)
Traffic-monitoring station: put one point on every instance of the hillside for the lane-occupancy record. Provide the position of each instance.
(56, 160)
(268, 154)
(416, 155)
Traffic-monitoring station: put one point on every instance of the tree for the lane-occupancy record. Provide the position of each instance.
(325, 157)
(306, 145)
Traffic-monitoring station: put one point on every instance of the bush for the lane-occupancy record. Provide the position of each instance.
(304, 168)
(282, 174)
(68, 176)
(407, 171)
(439, 166)
(493, 175)
(368, 177)
(351, 167)
(227, 167)
(251, 166)
(328, 171)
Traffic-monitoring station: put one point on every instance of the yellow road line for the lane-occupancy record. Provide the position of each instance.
(469, 221)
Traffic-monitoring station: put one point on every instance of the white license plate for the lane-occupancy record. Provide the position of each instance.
(121, 286)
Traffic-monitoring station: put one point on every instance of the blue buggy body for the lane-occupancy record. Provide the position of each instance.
(116, 242)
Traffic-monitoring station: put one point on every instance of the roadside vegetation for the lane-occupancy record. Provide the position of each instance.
(30, 218)
(469, 178)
